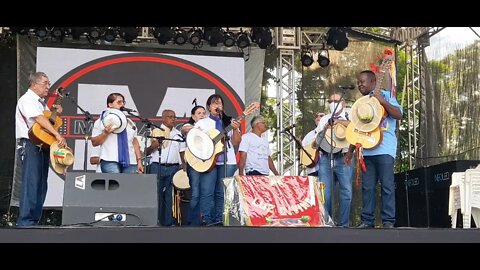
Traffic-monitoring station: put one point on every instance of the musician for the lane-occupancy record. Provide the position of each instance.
(34, 160)
(255, 152)
(166, 164)
(211, 189)
(341, 172)
(117, 155)
(379, 161)
(308, 140)
(193, 216)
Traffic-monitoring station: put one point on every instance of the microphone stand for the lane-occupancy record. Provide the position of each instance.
(146, 134)
(88, 120)
(332, 161)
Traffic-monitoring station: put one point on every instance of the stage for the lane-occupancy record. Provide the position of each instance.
(56, 234)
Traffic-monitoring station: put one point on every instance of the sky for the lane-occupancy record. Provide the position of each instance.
(450, 39)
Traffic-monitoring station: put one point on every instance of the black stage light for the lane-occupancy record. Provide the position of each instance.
(195, 36)
(242, 40)
(129, 33)
(76, 32)
(307, 59)
(323, 61)
(228, 39)
(41, 32)
(213, 35)
(180, 37)
(163, 34)
(337, 38)
(58, 32)
(262, 36)
(94, 33)
(110, 35)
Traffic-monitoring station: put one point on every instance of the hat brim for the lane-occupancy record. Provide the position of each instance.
(200, 144)
(336, 142)
(377, 116)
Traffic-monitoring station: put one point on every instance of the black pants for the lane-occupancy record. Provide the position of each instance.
(255, 172)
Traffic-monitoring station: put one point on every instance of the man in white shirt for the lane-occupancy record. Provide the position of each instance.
(35, 160)
(308, 140)
(255, 152)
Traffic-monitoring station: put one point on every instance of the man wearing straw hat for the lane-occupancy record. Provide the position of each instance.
(379, 161)
(341, 171)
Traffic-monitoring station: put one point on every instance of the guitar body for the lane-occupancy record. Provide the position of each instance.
(305, 159)
(40, 136)
(368, 140)
(205, 165)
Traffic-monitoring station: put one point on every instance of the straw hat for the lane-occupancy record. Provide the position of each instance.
(367, 113)
(339, 136)
(116, 119)
(156, 132)
(322, 142)
(61, 158)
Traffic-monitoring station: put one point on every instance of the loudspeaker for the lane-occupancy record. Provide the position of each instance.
(110, 199)
(421, 195)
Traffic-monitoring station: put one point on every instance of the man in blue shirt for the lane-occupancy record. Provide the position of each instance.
(379, 161)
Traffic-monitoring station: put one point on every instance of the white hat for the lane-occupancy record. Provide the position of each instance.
(116, 119)
(200, 144)
(367, 113)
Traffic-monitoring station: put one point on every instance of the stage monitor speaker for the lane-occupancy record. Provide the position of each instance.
(411, 199)
(110, 199)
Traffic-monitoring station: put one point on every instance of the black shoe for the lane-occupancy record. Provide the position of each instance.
(365, 226)
(388, 225)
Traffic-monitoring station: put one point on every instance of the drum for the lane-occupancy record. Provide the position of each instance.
(180, 180)
(323, 143)
(115, 118)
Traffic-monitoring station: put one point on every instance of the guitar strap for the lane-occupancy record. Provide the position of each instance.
(360, 163)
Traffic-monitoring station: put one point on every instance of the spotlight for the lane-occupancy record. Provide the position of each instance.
(262, 36)
(337, 38)
(58, 32)
(195, 36)
(41, 32)
(163, 34)
(129, 33)
(19, 30)
(213, 35)
(110, 35)
(180, 37)
(228, 39)
(242, 40)
(307, 59)
(323, 61)
(94, 33)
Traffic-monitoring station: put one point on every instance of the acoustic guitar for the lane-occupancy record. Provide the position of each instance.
(309, 157)
(39, 135)
(206, 165)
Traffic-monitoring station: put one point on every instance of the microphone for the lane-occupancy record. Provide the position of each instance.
(123, 109)
(345, 87)
(219, 111)
(60, 91)
(288, 128)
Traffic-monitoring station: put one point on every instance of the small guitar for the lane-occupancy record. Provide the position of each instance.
(368, 140)
(40, 136)
(309, 157)
(205, 165)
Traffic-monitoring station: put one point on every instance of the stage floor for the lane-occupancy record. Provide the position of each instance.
(52, 234)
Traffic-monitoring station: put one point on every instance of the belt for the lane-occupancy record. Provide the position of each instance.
(335, 155)
(169, 164)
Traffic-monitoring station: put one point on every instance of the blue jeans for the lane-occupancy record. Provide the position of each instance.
(164, 191)
(115, 167)
(194, 179)
(379, 167)
(343, 174)
(35, 163)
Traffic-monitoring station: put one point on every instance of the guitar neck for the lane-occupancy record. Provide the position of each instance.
(54, 109)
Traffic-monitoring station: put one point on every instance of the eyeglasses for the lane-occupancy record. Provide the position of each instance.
(44, 83)
(121, 102)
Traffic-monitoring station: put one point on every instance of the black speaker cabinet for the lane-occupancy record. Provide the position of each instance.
(110, 199)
